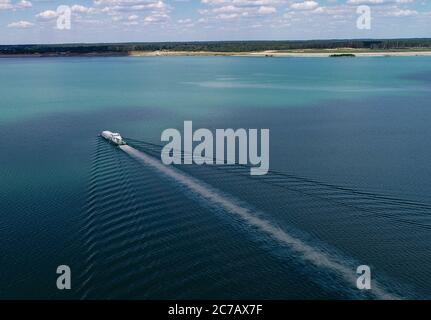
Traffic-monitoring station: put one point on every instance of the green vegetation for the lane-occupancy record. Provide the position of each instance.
(337, 55)
(219, 46)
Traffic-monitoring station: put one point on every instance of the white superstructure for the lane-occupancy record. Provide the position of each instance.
(115, 138)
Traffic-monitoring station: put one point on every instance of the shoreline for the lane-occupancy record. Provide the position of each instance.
(266, 53)
(275, 53)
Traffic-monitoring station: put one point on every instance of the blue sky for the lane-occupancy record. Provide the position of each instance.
(35, 21)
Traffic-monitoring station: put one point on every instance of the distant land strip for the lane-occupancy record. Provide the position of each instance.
(309, 48)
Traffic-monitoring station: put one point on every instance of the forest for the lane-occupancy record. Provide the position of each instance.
(214, 46)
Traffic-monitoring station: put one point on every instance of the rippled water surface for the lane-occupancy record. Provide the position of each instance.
(349, 184)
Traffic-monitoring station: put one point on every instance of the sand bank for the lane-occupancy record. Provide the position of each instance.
(273, 53)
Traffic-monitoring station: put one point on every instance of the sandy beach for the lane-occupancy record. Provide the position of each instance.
(274, 53)
(267, 53)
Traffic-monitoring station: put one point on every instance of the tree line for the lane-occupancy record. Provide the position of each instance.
(215, 46)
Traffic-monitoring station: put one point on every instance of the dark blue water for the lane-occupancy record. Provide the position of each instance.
(350, 154)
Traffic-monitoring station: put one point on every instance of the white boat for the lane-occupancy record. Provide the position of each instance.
(112, 137)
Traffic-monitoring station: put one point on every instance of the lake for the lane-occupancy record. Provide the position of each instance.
(350, 178)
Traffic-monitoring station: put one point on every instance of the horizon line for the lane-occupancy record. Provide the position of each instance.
(212, 41)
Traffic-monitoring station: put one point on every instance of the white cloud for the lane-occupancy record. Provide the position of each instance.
(24, 4)
(228, 16)
(186, 23)
(244, 2)
(157, 10)
(358, 2)
(154, 4)
(20, 24)
(156, 18)
(266, 10)
(82, 9)
(5, 5)
(371, 2)
(306, 5)
(8, 5)
(239, 9)
(227, 9)
(47, 15)
(402, 13)
(338, 10)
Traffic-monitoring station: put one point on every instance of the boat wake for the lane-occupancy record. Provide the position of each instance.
(188, 231)
(252, 217)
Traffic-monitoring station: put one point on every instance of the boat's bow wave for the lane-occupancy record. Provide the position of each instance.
(134, 216)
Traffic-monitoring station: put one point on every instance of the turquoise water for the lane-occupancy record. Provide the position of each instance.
(356, 125)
